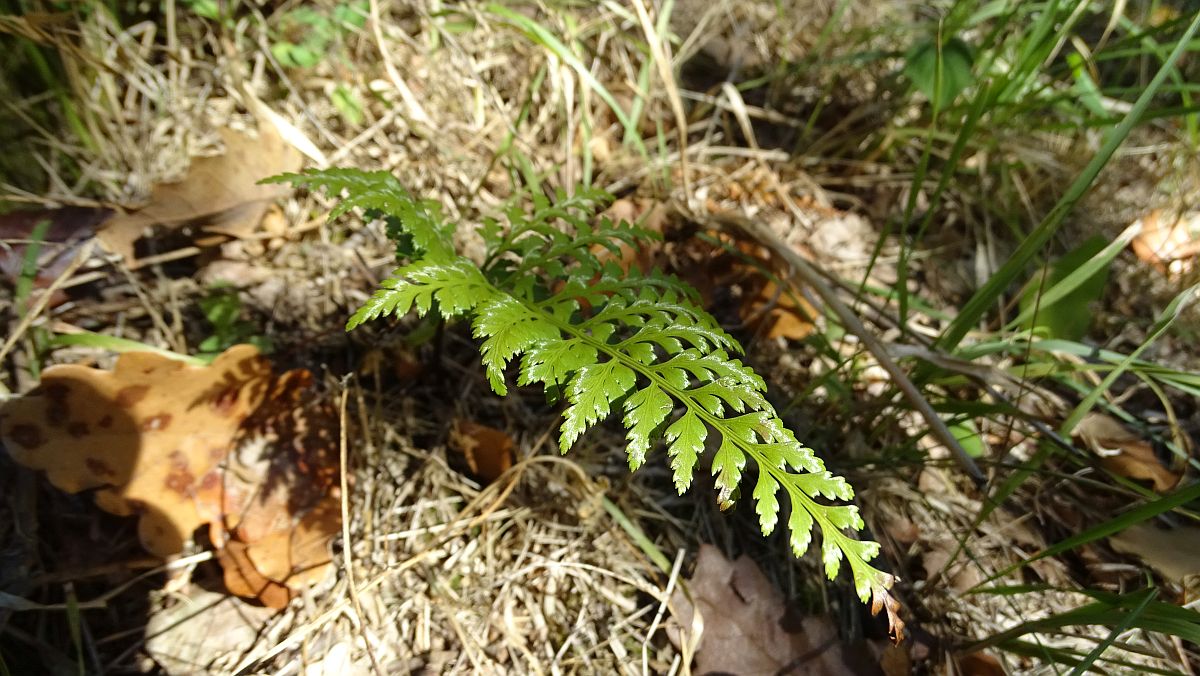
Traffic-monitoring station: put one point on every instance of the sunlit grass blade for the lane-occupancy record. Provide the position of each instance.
(1076, 278)
(1109, 610)
(542, 36)
(987, 295)
(118, 345)
(1168, 317)
(1117, 629)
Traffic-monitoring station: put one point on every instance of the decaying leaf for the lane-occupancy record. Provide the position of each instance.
(273, 502)
(1168, 242)
(243, 579)
(206, 634)
(142, 434)
(779, 313)
(219, 195)
(253, 456)
(979, 664)
(1174, 553)
(768, 309)
(743, 624)
(1123, 452)
(489, 451)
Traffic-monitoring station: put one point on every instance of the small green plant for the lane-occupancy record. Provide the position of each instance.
(605, 338)
(306, 34)
(223, 310)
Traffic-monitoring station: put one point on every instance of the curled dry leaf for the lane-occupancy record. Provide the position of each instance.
(219, 195)
(155, 436)
(489, 451)
(1123, 452)
(272, 503)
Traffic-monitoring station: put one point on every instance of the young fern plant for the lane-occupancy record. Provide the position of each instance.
(608, 338)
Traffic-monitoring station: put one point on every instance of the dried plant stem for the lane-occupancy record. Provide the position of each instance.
(347, 546)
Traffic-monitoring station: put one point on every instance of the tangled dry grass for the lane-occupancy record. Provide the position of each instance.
(530, 574)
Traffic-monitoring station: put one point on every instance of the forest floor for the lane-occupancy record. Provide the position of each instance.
(474, 546)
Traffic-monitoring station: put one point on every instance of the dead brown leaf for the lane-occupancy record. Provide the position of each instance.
(489, 451)
(742, 616)
(155, 436)
(779, 313)
(1124, 453)
(219, 195)
(143, 433)
(1168, 242)
(1174, 553)
(979, 664)
(274, 500)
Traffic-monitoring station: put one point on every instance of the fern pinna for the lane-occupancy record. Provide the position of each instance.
(609, 338)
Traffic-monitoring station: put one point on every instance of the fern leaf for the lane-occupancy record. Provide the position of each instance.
(592, 393)
(553, 363)
(458, 286)
(645, 410)
(685, 440)
(613, 338)
(380, 191)
(508, 327)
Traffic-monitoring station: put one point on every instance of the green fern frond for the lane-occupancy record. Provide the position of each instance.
(612, 340)
(558, 238)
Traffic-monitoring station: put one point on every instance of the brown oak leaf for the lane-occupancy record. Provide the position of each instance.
(142, 433)
(253, 456)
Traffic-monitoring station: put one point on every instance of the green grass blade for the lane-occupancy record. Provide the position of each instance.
(1160, 327)
(1076, 279)
(1090, 659)
(999, 282)
(118, 345)
(1110, 610)
(29, 265)
(631, 529)
(540, 35)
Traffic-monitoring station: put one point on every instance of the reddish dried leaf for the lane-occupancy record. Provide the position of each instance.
(1168, 242)
(275, 497)
(299, 556)
(979, 664)
(243, 579)
(489, 451)
(155, 436)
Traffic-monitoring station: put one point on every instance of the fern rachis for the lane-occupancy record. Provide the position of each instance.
(610, 339)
